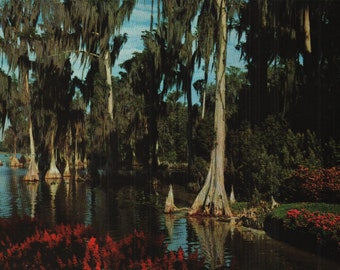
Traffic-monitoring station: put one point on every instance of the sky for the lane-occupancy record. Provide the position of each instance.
(140, 21)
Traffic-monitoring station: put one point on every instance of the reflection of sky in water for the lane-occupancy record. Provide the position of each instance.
(12, 194)
(178, 237)
(4, 198)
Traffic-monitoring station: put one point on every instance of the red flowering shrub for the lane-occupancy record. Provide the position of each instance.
(323, 225)
(77, 247)
(317, 185)
(293, 213)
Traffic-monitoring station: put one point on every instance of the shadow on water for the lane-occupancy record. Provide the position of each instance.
(123, 209)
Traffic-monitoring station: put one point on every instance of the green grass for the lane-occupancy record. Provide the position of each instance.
(281, 211)
(238, 207)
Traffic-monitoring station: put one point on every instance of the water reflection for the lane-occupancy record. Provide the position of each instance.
(13, 196)
(122, 210)
(53, 185)
(212, 235)
(32, 190)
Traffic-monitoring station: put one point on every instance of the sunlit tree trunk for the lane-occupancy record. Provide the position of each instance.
(203, 103)
(306, 25)
(170, 206)
(212, 199)
(67, 172)
(190, 121)
(14, 160)
(107, 65)
(33, 171)
(53, 172)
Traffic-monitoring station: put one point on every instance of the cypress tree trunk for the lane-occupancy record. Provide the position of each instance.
(67, 172)
(212, 199)
(33, 171)
(306, 25)
(53, 171)
(107, 65)
(14, 160)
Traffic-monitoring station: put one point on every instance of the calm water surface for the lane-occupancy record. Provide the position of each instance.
(119, 212)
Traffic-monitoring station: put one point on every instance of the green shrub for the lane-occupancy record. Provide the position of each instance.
(199, 170)
(262, 157)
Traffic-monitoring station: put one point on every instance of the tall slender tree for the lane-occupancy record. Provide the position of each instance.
(99, 23)
(19, 20)
(212, 199)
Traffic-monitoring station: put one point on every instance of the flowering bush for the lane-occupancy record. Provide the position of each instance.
(317, 185)
(77, 247)
(323, 225)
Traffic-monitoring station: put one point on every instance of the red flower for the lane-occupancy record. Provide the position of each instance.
(180, 254)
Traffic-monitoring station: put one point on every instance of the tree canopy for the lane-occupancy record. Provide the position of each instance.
(160, 110)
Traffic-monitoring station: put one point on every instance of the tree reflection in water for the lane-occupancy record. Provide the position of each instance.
(53, 185)
(170, 221)
(32, 190)
(212, 235)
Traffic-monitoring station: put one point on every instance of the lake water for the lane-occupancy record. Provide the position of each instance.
(121, 211)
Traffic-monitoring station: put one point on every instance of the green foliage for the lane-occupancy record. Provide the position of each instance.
(263, 156)
(172, 131)
(3, 147)
(203, 139)
(332, 153)
(199, 170)
(238, 207)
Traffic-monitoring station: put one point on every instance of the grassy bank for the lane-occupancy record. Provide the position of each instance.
(281, 211)
(314, 227)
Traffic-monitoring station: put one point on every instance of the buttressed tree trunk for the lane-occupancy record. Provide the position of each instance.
(33, 171)
(53, 172)
(170, 206)
(212, 199)
(14, 160)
